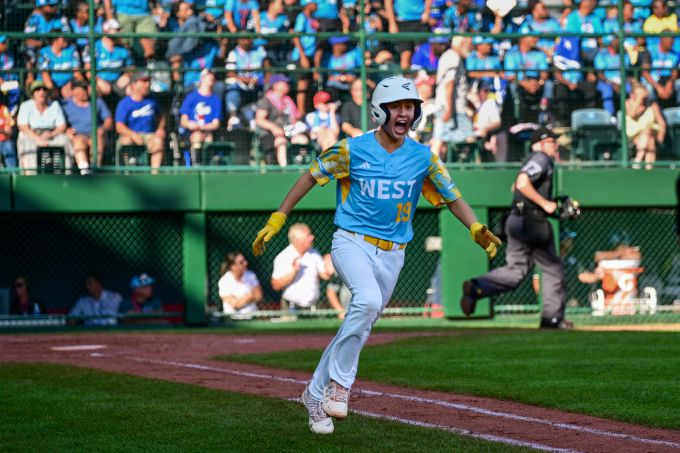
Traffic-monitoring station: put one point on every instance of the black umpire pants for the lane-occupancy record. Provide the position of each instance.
(521, 254)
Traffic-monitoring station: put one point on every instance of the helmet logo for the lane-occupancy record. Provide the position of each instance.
(406, 86)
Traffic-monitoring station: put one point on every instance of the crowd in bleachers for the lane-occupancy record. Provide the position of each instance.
(173, 97)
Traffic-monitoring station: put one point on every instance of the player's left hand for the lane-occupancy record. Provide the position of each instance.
(273, 226)
(485, 238)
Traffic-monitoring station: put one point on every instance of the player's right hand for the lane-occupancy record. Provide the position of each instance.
(485, 238)
(273, 226)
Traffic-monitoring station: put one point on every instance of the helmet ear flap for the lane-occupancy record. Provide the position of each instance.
(386, 112)
(417, 116)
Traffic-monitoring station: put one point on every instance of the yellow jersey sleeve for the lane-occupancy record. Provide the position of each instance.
(331, 164)
(438, 187)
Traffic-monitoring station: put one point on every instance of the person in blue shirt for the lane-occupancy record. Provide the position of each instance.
(201, 112)
(630, 25)
(426, 56)
(305, 49)
(245, 77)
(341, 58)
(58, 64)
(79, 119)
(134, 16)
(7, 63)
(113, 61)
(607, 63)
(139, 120)
(526, 70)
(460, 17)
(44, 19)
(659, 71)
(242, 15)
(81, 23)
(573, 89)
(407, 16)
(482, 64)
(273, 20)
(539, 22)
(583, 20)
(329, 16)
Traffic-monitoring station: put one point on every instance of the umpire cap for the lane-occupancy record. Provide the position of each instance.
(541, 134)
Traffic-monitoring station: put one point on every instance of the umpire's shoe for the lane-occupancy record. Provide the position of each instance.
(319, 422)
(335, 400)
(555, 323)
(468, 301)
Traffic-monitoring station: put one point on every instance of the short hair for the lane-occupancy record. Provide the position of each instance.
(296, 229)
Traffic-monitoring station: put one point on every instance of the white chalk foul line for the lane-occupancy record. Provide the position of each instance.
(463, 407)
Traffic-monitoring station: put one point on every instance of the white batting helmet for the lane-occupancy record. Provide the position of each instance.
(395, 89)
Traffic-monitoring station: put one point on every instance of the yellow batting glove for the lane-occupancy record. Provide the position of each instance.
(273, 226)
(485, 238)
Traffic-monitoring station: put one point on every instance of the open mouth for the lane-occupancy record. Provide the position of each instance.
(400, 127)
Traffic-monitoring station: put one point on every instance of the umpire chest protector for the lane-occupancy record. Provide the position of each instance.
(539, 168)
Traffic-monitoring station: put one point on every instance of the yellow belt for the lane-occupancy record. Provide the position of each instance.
(382, 243)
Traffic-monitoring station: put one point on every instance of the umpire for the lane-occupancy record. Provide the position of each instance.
(529, 238)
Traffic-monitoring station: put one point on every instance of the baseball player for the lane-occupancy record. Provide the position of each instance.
(380, 176)
(530, 238)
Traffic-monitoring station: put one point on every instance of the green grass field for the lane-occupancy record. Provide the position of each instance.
(66, 409)
(628, 376)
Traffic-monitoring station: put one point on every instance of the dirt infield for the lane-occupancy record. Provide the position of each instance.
(186, 358)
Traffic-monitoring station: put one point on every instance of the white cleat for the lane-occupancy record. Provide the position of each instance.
(335, 400)
(319, 422)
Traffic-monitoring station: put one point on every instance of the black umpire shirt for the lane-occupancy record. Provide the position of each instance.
(539, 168)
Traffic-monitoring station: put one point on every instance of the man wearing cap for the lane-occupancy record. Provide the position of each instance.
(139, 120)
(529, 237)
(45, 18)
(79, 118)
(340, 62)
(482, 64)
(426, 55)
(142, 300)
(323, 123)
(244, 77)
(41, 124)
(113, 61)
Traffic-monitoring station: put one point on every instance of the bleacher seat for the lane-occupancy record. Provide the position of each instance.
(672, 149)
(131, 156)
(595, 136)
(51, 160)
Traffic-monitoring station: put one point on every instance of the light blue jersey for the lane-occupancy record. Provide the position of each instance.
(131, 7)
(60, 67)
(377, 191)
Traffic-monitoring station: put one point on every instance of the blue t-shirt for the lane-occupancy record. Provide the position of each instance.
(567, 58)
(609, 63)
(377, 191)
(612, 26)
(489, 63)
(51, 62)
(131, 7)
(530, 64)
(349, 60)
(326, 9)
(116, 59)
(280, 24)
(550, 25)
(304, 24)
(7, 63)
(76, 28)
(242, 11)
(202, 109)
(663, 63)
(409, 9)
(424, 58)
(79, 118)
(470, 21)
(437, 9)
(247, 63)
(138, 116)
(588, 24)
(36, 23)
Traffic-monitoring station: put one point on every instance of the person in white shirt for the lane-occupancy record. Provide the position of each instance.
(297, 270)
(487, 119)
(239, 287)
(99, 307)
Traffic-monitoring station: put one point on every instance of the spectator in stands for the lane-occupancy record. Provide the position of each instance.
(9, 81)
(608, 62)
(340, 63)
(21, 301)
(425, 86)
(245, 78)
(661, 20)
(659, 71)
(645, 125)
(482, 64)
(278, 120)
(426, 55)
(113, 61)
(142, 300)
(351, 111)
(139, 120)
(460, 18)
(583, 20)
(526, 69)
(630, 25)
(41, 123)
(239, 287)
(80, 23)
(323, 123)
(201, 112)
(242, 15)
(451, 123)
(297, 270)
(180, 46)
(573, 89)
(7, 151)
(305, 49)
(79, 118)
(273, 20)
(407, 16)
(55, 63)
(540, 22)
(487, 120)
(134, 16)
(213, 14)
(44, 19)
(330, 17)
(99, 307)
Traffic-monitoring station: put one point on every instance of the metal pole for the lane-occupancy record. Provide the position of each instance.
(622, 88)
(362, 46)
(93, 85)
